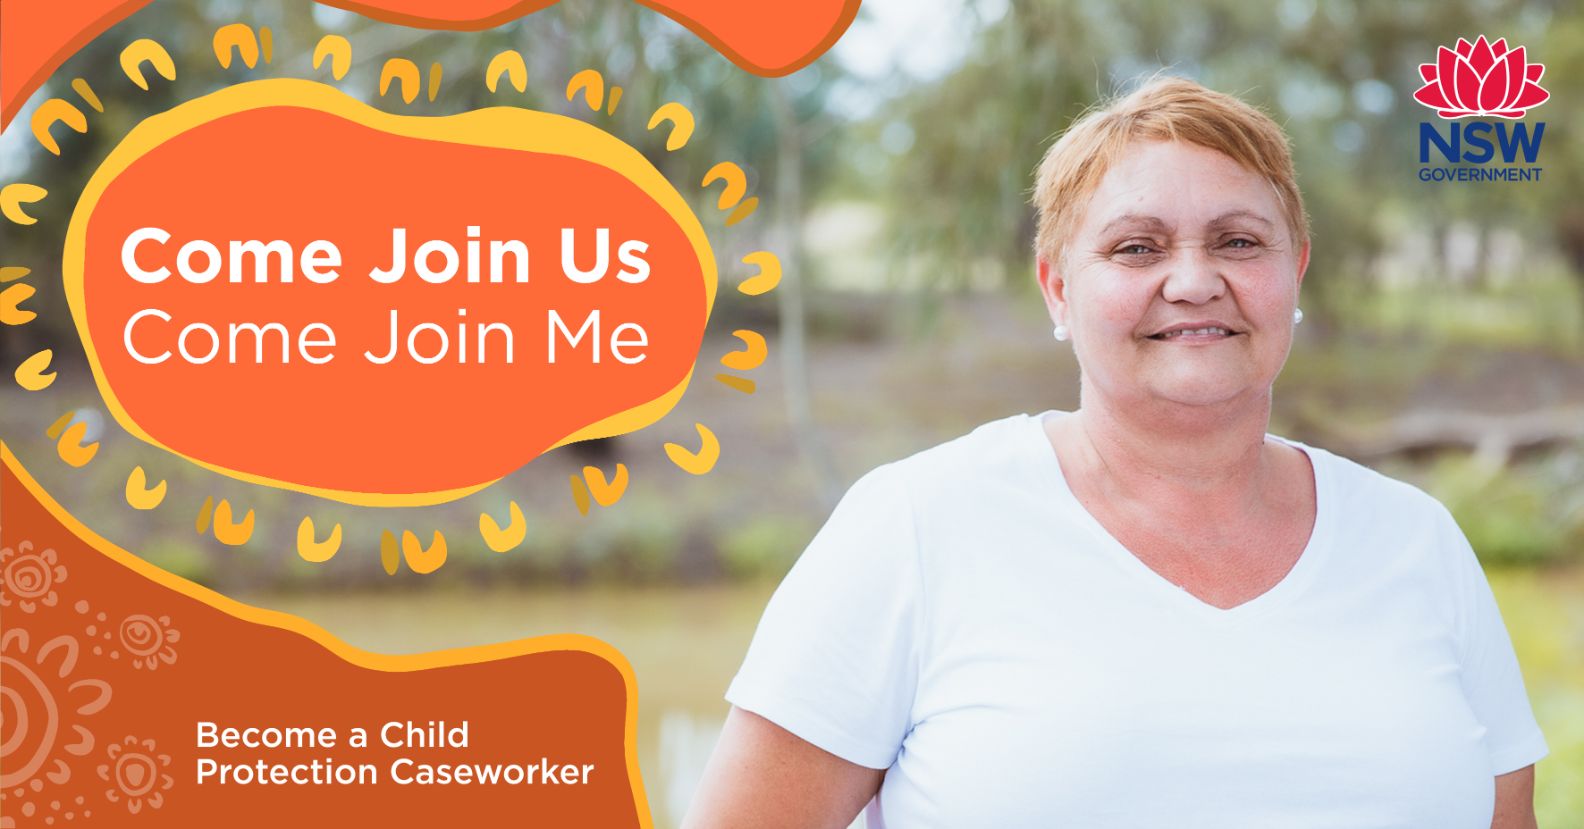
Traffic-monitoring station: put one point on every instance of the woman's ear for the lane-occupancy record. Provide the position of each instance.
(1303, 261)
(1053, 286)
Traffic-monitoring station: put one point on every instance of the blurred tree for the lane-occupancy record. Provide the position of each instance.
(1339, 76)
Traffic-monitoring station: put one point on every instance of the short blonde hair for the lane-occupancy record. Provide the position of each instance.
(1166, 109)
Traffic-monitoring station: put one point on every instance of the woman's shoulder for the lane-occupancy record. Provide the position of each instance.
(1374, 510)
(953, 475)
(1365, 488)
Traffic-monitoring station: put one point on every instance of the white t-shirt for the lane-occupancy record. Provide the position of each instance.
(963, 622)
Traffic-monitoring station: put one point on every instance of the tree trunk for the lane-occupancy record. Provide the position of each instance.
(788, 237)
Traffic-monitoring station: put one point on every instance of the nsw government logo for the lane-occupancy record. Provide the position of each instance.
(1480, 80)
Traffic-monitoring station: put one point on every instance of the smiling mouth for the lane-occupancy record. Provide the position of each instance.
(1195, 334)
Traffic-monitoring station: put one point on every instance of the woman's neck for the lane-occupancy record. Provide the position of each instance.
(1177, 456)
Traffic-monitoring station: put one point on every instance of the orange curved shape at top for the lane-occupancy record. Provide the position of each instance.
(770, 39)
(469, 391)
(37, 36)
(766, 37)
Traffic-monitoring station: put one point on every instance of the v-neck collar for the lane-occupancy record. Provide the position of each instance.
(1297, 578)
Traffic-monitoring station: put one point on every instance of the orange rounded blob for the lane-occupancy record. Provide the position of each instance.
(285, 285)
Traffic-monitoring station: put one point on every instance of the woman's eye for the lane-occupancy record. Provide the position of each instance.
(1242, 243)
(1134, 249)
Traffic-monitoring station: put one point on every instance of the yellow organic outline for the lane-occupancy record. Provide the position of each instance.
(368, 660)
(508, 128)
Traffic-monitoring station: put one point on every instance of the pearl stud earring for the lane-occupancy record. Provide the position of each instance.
(1297, 315)
(1060, 332)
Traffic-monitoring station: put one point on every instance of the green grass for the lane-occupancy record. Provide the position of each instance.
(1543, 309)
(1544, 612)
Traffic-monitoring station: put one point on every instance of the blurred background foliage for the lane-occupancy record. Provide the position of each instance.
(1443, 340)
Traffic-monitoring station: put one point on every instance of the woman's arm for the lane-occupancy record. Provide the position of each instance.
(1515, 800)
(762, 775)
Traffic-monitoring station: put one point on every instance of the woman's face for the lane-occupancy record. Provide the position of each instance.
(1178, 236)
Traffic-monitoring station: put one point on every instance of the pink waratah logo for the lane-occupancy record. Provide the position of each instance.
(1481, 78)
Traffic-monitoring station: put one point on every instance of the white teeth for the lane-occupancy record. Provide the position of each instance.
(1169, 334)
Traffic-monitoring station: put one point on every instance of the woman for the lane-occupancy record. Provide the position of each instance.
(1148, 612)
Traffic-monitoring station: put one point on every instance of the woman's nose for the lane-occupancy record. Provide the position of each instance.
(1194, 277)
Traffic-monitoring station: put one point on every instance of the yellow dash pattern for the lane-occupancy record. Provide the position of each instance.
(753, 353)
(743, 211)
(71, 449)
(511, 63)
(339, 50)
(86, 92)
(12, 197)
(55, 429)
(423, 561)
(229, 532)
(145, 50)
(592, 84)
(11, 299)
(700, 462)
(682, 124)
(403, 70)
(768, 276)
(501, 540)
(310, 548)
(390, 553)
(435, 71)
(742, 384)
(139, 495)
(34, 373)
(236, 37)
(51, 112)
(606, 492)
(580, 494)
(736, 183)
(205, 514)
